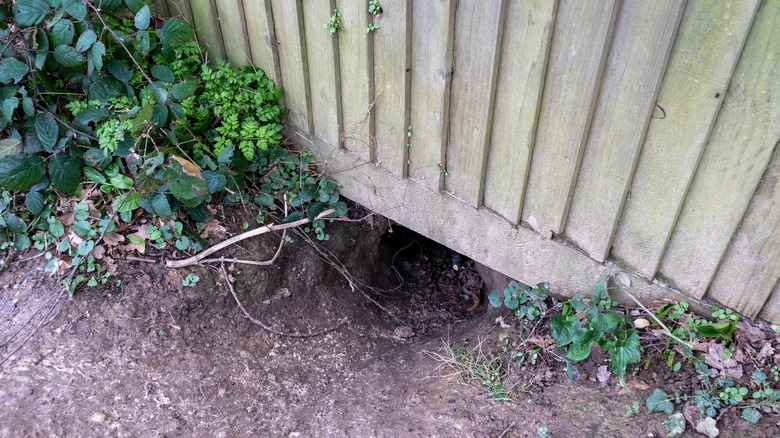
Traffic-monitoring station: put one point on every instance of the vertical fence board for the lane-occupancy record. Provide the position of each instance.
(478, 30)
(181, 9)
(751, 268)
(392, 58)
(580, 44)
(161, 8)
(745, 133)
(705, 53)
(204, 14)
(518, 97)
(289, 30)
(234, 34)
(357, 80)
(771, 310)
(433, 26)
(323, 55)
(262, 40)
(644, 35)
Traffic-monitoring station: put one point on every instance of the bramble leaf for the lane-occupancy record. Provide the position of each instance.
(12, 70)
(142, 17)
(30, 12)
(18, 172)
(65, 173)
(659, 401)
(47, 131)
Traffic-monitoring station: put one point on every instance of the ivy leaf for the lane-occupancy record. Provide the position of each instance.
(175, 32)
(34, 201)
(162, 73)
(30, 12)
(340, 207)
(67, 56)
(142, 18)
(675, 424)
(215, 181)
(85, 247)
(751, 415)
(9, 146)
(605, 322)
(184, 89)
(659, 401)
(12, 70)
(86, 40)
(160, 205)
(564, 328)
(65, 173)
(62, 33)
(264, 200)
(127, 202)
(581, 344)
(495, 298)
(47, 131)
(14, 224)
(624, 352)
(18, 172)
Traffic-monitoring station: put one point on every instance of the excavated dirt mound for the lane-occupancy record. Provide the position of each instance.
(155, 358)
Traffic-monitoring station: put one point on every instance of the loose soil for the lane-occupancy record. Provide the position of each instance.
(154, 358)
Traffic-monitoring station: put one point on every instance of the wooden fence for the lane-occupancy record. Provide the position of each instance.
(555, 141)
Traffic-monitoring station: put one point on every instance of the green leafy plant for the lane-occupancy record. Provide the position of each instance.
(190, 280)
(600, 326)
(374, 8)
(371, 28)
(334, 23)
(528, 303)
(633, 409)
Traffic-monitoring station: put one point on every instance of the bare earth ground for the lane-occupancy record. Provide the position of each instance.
(154, 358)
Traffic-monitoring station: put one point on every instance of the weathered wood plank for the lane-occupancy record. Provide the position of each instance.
(479, 234)
(392, 57)
(706, 50)
(580, 44)
(262, 39)
(522, 67)
(324, 83)
(751, 268)
(234, 33)
(204, 14)
(161, 8)
(479, 27)
(356, 66)
(181, 9)
(771, 311)
(643, 40)
(433, 26)
(745, 133)
(293, 61)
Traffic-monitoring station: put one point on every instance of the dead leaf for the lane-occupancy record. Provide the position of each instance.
(766, 351)
(603, 374)
(113, 239)
(99, 251)
(188, 167)
(726, 366)
(130, 247)
(641, 323)
(707, 427)
(214, 228)
(632, 385)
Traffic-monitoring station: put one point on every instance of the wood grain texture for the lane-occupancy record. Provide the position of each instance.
(322, 52)
(293, 62)
(161, 8)
(234, 33)
(433, 26)
(771, 311)
(643, 39)
(181, 9)
(262, 39)
(522, 254)
(580, 44)
(706, 50)
(392, 77)
(205, 16)
(479, 27)
(356, 65)
(521, 73)
(751, 268)
(742, 141)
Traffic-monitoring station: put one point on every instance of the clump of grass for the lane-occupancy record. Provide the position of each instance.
(476, 366)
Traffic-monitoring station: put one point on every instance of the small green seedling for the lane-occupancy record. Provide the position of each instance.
(190, 280)
(334, 24)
